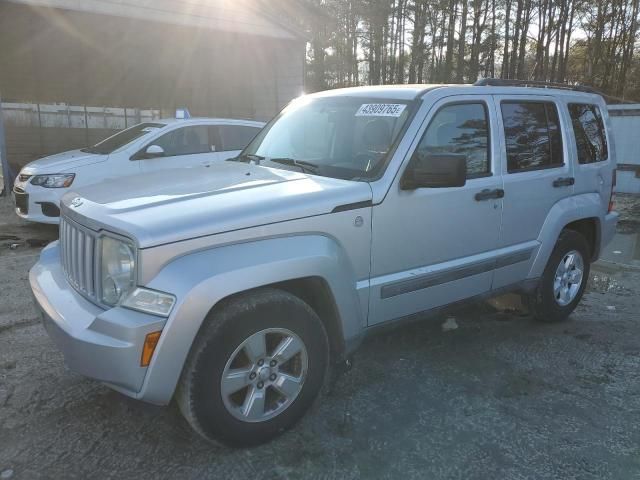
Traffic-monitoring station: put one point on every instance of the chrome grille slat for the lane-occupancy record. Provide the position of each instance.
(69, 247)
(81, 258)
(88, 265)
(61, 239)
(77, 249)
(74, 259)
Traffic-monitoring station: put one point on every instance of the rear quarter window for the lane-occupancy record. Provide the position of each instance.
(588, 130)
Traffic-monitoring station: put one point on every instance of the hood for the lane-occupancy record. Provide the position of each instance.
(173, 205)
(62, 162)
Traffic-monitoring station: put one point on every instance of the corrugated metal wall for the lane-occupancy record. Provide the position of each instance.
(80, 59)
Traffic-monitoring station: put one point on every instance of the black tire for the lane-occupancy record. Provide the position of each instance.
(199, 394)
(543, 303)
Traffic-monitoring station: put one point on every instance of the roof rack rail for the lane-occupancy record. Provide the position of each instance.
(500, 82)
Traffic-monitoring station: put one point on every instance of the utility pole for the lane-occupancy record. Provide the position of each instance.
(7, 175)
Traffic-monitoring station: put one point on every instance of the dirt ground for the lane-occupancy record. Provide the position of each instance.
(498, 397)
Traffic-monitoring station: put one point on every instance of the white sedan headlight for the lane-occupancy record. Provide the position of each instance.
(117, 274)
(56, 180)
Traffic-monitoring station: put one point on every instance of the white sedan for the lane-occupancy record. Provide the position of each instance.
(146, 147)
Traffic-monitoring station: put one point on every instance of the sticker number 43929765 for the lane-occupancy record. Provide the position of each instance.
(380, 110)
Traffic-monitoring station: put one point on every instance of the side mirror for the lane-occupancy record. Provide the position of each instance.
(154, 151)
(435, 171)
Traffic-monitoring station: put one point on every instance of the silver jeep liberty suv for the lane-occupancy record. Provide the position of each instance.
(232, 288)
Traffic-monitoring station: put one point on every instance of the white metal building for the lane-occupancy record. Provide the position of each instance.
(625, 121)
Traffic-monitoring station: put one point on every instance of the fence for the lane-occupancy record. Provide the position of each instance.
(34, 130)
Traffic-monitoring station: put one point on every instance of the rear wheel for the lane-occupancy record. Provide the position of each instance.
(564, 279)
(255, 369)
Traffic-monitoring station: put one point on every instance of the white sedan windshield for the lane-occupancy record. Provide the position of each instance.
(123, 137)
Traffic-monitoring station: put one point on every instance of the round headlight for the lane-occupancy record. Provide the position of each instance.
(117, 270)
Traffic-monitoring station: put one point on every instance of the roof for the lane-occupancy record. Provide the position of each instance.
(400, 92)
(626, 106)
(411, 92)
(238, 16)
(196, 120)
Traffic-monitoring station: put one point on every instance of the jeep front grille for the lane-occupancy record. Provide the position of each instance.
(77, 249)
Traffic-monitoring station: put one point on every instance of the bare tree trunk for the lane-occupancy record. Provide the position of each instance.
(462, 41)
(515, 40)
(451, 30)
(505, 55)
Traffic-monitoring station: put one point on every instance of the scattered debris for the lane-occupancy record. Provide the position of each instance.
(13, 246)
(8, 473)
(37, 242)
(611, 308)
(449, 324)
(617, 252)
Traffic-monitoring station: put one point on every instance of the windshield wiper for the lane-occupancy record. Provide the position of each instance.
(246, 157)
(301, 164)
(89, 150)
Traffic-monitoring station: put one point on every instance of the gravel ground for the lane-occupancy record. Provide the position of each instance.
(500, 396)
(629, 208)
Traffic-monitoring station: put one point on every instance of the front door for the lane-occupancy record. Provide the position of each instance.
(435, 246)
(537, 174)
(188, 146)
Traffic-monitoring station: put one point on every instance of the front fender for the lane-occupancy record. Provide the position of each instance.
(200, 280)
(567, 210)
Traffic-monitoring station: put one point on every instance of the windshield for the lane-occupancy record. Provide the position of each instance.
(341, 137)
(120, 139)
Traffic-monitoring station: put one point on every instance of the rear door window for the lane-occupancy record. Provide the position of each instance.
(236, 137)
(588, 128)
(532, 135)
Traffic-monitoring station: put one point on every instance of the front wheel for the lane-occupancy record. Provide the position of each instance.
(564, 279)
(255, 369)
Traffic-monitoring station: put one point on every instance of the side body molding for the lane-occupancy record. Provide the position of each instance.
(200, 280)
(567, 210)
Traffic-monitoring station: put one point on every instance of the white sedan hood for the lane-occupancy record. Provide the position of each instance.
(62, 162)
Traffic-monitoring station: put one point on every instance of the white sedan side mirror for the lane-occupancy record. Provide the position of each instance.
(154, 151)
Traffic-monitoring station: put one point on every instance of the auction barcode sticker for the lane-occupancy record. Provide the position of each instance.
(380, 110)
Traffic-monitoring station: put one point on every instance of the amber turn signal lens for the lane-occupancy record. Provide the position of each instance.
(150, 342)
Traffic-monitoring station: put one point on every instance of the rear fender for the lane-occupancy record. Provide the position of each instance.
(567, 210)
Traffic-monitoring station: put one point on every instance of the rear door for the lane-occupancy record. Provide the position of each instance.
(537, 173)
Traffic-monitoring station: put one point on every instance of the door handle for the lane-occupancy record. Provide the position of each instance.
(564, 182)
(487, 194)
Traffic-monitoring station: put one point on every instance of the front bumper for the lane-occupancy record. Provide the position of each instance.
(105, 345)
(37, 204)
